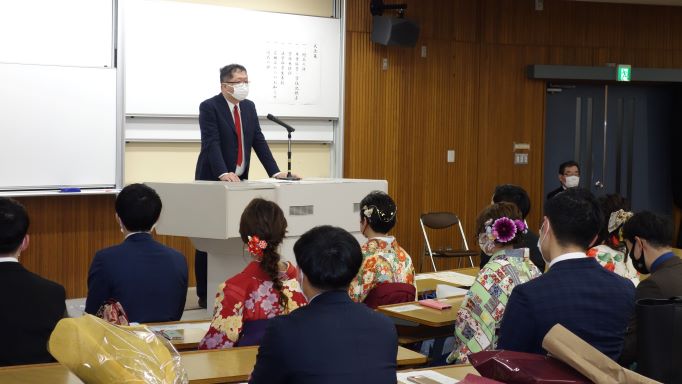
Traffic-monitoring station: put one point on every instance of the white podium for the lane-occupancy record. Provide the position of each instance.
(209, 212)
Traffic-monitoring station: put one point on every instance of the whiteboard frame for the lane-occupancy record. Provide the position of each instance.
(120, 132)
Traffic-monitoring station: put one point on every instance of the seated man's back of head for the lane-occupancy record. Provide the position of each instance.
(31, 305)
(148, 278)
(576, 291)
(332, 339)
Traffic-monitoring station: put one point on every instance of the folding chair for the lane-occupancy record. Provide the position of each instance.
(438, 221)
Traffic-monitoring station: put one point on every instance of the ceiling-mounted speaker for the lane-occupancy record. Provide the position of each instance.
(394, 31)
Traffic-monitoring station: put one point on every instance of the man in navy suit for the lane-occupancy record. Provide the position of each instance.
(576, 291)
(31, 306)
(146, 277)
(332, 339)
(229, 129)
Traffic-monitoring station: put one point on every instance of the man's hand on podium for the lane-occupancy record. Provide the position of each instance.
(230, 177)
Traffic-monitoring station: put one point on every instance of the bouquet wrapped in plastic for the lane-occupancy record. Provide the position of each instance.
(99, 352)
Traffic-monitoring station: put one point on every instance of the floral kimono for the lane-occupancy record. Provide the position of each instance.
(614, 261)
(384, 261)
(249, 296)
(480, 314)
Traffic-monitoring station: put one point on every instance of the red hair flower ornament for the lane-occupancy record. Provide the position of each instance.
(256, 246)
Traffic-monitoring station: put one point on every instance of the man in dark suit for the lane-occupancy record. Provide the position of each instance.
(31, 306)
(569, 177)
(648, 237)
(516, 195)
(332, 339)
(576, 291)
(229, 129)
(146, 277)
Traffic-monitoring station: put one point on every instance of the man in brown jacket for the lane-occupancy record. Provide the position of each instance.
(648, 237)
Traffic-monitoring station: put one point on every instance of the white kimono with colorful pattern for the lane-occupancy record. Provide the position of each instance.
(384, 261)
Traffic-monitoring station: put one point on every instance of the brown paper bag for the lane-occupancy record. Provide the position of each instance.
(572, 350)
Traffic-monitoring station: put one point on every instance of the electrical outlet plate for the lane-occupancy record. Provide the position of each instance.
(520, 158)
(451, 155)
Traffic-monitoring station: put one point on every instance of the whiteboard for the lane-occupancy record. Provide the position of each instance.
(173, 51)
(57, 127)
(56, 32)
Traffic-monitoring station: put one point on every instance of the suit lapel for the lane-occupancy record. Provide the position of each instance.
(225, 113)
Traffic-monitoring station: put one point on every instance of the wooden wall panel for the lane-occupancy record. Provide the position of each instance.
(511, 109)
(471, 94)
(66, 231)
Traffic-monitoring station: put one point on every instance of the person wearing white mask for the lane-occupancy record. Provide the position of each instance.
(569, 177)
(501, 229)
(576, 291)
(229, 130)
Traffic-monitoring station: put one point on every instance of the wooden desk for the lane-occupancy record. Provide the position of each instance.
(37, 374)
(454, 371)
(235, 364)
(203, 367)
(424, 315)
(429, 284)
(193, 335)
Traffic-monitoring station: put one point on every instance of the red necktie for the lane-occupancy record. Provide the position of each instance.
(238, 126)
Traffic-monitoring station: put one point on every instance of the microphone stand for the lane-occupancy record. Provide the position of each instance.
(289, 129)
(289, 175)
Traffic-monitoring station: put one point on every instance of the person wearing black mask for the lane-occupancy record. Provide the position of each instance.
(648, 237)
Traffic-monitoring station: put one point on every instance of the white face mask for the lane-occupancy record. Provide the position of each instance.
(299, 279)
(572, 181)
(240, 91)
(540, 240)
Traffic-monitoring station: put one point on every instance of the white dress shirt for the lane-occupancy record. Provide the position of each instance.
(567, 256)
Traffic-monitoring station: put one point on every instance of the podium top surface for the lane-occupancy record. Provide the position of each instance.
(212, 209)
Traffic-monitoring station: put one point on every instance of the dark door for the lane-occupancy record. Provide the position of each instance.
(636, 160)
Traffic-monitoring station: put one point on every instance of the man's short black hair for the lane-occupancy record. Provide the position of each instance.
(379, 209)
(513, 194)
(139, 207)
(227, 71)
(13, 225)
(656, 229)
(330, 257)
(567, 164)
(575, 217)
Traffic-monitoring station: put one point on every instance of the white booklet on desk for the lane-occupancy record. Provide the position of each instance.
(454, 278)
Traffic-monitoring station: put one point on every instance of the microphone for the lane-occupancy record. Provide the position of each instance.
(280, 122)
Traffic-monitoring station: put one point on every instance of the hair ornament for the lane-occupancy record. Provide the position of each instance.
(367, 211)
(502, 230)
(618, 218)
(256, 246)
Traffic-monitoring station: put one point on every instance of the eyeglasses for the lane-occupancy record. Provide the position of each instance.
(231, 83)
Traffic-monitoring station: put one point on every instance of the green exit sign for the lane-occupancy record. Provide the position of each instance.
(624, 72)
